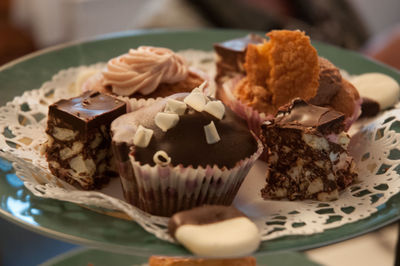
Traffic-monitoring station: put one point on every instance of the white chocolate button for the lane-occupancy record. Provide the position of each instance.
(142, 137)
(176, 107)
(379, 87)
(215, 108)
(233, 237)
(166, 121)
(196, 100)
(211, 132)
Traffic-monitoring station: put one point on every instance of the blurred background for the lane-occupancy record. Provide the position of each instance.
(369, 26)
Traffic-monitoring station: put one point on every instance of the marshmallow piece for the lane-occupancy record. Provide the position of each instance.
(161, 158)
(175, 107)
(142, 137)
(197, 100)
(379, 87)
(211, 132)
(166, 121)
(233, 237)
(215, 108)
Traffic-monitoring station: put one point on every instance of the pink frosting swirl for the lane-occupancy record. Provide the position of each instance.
(143, 69)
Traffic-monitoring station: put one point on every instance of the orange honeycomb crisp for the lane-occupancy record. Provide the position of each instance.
(279, 70)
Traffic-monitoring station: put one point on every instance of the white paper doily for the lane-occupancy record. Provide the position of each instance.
(23, 121)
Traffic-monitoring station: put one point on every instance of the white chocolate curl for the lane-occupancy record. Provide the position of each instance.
(142, 137)
(215, 108)
(166, 121)
(211, 132)
(166, 160)
(143, 69)
(175, 107)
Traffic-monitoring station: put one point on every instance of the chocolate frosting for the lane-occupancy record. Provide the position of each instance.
(300, 114)
(206, 214)
(88, 110)
(232, 54)
(185, 143)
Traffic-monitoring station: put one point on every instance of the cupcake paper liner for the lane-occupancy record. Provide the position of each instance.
(253, 117)
(166, 190)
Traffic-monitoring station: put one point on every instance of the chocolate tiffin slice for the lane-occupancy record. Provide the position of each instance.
(215, 231)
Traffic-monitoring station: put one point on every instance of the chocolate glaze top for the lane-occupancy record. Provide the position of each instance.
(300, 114)
(88, 110)
(185, 143)
(206, 214)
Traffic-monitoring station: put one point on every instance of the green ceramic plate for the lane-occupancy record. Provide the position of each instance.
(73, 223)
(103, 258)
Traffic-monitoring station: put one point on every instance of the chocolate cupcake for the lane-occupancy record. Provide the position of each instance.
(145, 74)
(183, 151)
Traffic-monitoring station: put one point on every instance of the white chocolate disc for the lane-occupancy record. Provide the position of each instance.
(161, 158)
(233, 237)
(379, 87)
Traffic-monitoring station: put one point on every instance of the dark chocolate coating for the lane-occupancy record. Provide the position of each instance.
(232, 53)
(206, 214)
(330, 82)
(369, 107)
(186, 142)
(302, 114)
(239, 44)
(90, 109)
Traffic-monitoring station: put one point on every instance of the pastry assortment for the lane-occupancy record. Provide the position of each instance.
(186, 154)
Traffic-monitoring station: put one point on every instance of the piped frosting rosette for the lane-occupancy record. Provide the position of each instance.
(138, 74)
(143, 69)
(166, 187)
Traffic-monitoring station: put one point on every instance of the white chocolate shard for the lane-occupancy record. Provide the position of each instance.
(142, 137)
(211, 132)
(175, 107)
(166, 121)
(197, 100)
(161, 158)
(202, 86)
(233, 237)
(215, 108)
(379, 87)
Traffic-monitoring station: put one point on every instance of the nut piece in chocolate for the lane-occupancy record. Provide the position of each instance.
(78, 148)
